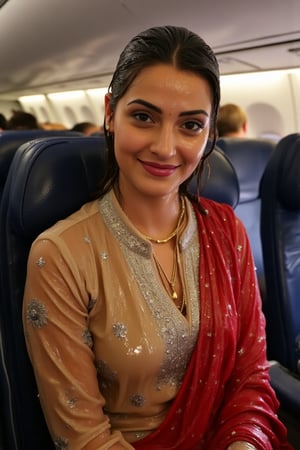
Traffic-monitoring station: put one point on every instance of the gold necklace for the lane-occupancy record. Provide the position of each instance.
(169, 284)
(163, 276)
(174, 232)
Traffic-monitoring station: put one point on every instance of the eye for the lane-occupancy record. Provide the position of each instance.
(193, 125)
(142, 117)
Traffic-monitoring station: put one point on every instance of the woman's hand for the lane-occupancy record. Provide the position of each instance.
(241, 446)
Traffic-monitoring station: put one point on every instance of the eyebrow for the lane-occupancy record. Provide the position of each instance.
(149, 105)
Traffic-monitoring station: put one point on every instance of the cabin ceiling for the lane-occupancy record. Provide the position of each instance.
(53, 45)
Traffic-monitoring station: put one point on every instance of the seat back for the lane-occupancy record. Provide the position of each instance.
(249, 158)
(48, 180)
(280, 232)
(11, 140)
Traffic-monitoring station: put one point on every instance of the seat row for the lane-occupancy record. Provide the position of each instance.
(48, 178)
(269, 206)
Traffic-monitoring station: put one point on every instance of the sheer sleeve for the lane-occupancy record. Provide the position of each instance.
(56, 320)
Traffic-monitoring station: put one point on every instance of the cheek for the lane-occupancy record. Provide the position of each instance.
(128, 141)
(194, 153)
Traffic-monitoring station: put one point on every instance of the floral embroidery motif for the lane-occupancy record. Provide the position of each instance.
(119, 330)
(37, 314)
(104, 256)
(87, 239)
(87, 338)
(137, 400)
(72, 402)
(61, 443)
(40, 262)
(139, 434)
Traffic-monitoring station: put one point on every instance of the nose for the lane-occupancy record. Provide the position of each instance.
(164, 142)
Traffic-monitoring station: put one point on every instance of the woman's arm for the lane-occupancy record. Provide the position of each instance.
(55, 315)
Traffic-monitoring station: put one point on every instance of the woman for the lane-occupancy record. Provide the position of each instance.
(141, 310)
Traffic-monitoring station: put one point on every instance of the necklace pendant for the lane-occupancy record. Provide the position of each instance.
(174, 295)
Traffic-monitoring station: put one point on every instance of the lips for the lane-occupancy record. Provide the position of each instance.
(158, 170)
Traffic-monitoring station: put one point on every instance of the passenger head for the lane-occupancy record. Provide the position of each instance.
(3, 122)
(170, 45)
(53, 126)
(87, 128)
(232, 121)
(21, 120)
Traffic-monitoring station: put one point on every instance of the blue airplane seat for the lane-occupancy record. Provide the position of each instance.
(219, 179)
(249, 158)
(280, 233)
(10, 140)
(49, 179)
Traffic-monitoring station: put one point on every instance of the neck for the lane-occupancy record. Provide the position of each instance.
(155, 217)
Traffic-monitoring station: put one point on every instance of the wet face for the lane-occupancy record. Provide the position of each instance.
(161, 127)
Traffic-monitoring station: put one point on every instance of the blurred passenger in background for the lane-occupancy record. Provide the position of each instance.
(21, 120)
(3, 122)
(232, 121)
(53, 126)
(87, 128)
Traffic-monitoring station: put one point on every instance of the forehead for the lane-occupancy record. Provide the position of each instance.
(166, 79)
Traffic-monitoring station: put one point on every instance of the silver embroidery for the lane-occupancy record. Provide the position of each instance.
(87, 338)
(137, 400)
(37, 314)
(72, 402)
(119, 330)
(61, 444)
(178, 332)
(87, 239)
(71, 399)
(139, 434)
(40, 262)
(104, 256)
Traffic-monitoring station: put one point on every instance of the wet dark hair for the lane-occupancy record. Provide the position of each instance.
(180, 48)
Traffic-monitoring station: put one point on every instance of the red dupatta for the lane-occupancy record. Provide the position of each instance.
(193, 421)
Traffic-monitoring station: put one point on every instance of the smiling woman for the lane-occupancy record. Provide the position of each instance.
(141, 310)
(161, 130)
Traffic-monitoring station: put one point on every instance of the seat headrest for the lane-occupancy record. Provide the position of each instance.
(219, 180)
(10, 140)
(249, 158)
(59, 176)
(287, 165)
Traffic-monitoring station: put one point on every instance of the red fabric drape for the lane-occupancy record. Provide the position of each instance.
(225, 395)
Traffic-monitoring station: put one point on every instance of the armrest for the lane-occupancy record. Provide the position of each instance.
(287, 387)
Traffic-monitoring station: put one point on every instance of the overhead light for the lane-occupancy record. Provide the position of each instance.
(65, 95)
(31, 98)
(97, 91)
